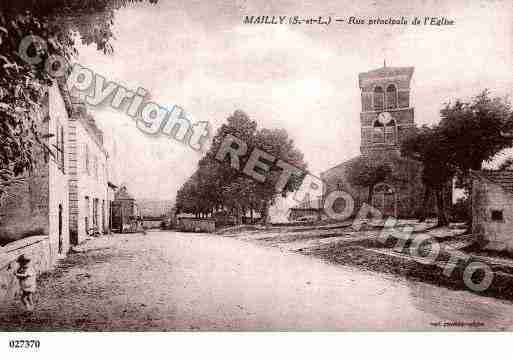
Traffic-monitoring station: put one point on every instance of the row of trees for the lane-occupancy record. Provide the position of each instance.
(216, 187)
(23, 85)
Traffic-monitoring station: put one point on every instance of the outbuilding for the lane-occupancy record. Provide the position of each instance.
(492, 209)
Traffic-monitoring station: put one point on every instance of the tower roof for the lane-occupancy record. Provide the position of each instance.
(386, 73)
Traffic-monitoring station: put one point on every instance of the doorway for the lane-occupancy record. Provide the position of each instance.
(385, 200)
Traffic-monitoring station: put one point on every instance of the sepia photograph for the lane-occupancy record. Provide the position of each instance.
(255, 166)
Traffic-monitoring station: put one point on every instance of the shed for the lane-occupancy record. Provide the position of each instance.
(492, 209)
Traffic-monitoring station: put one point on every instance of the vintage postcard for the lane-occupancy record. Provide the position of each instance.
(247, 165)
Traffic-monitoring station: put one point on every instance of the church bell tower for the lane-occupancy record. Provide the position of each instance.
(386, 116)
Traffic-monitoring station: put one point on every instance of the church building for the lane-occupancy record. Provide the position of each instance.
(386, 119)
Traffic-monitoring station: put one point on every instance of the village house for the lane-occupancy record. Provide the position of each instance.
(39, 205)
(386, 119)
(34, 212)
(89, 200)
(66, 197)
(492, 209)
(125, 211)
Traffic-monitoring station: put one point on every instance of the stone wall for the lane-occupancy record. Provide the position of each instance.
(488, 197)
(405, 180)
(196, 225)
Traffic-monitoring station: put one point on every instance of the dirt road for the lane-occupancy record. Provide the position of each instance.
(183, 281)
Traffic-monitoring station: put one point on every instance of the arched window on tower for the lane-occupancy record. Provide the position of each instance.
(391, 97)
(378, 133)
(391, 133)
(378, 98)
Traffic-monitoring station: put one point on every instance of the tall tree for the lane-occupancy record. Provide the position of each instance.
(474, 130)
(429, 146)
(468, 134)
(227, 188)
(276, 142)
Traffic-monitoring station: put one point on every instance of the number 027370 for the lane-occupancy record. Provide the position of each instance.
(24, 344)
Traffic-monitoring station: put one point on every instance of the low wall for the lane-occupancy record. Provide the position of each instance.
(150, 224)
(196, 225)
(35, 247)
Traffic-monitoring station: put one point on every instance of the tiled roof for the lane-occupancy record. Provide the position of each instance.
(502, 178)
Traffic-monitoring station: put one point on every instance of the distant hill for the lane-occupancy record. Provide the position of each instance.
(154, 207)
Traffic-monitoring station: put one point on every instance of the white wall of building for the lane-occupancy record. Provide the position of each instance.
(58, 174)
(92, 173)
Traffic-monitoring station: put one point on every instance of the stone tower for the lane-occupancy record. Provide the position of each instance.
(386, 115)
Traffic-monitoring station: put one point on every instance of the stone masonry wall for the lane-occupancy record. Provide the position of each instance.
(486, 197)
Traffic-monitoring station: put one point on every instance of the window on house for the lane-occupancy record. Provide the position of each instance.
(86, 158)
(59, 146)
(95, 167)
(86, 214)
(62, 149)
(56, 145)
(497, 215)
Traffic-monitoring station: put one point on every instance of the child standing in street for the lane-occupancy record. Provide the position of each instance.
(27, 278)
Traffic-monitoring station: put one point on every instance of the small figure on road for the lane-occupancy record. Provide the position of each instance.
(27, 278)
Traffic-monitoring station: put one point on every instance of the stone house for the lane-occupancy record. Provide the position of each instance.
(39, 205)
(34, 214)
(88, 182)
(64, 197)
(386, 119)
(124, 210)
(492, 209)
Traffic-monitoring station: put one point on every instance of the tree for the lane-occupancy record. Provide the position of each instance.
(366, 173)
(217, 186)
(468, 134)
(474, 130)
(23, 85)
(428, 146)
(277, 143)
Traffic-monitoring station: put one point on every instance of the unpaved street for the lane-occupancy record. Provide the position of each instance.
(185, 281)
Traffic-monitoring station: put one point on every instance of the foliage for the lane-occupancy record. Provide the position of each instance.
(468, 134)
(366, 173)
(474, 130)
(23, 85)
(461, 211)
(217, 187)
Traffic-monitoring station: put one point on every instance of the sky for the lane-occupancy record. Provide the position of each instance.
(302, 78)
